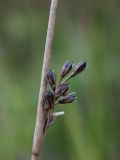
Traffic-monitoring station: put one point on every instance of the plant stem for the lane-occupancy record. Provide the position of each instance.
(38, 134)
(65, 80)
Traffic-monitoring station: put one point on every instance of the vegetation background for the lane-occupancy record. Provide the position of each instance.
(85, 30)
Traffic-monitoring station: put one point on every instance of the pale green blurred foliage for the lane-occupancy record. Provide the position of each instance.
(85, 30)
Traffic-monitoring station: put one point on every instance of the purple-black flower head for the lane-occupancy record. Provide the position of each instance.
(51, 77)
(49, 99)
(66, 68)
(79, 68)
(62, 90)
(68, 98)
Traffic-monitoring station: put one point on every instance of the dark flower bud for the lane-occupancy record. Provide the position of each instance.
(51, 77)
(49, 98)
(61, 90)
(66, 68)
(68, 98)
(78, 68)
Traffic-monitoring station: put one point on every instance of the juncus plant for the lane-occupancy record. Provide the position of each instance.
(58, 92)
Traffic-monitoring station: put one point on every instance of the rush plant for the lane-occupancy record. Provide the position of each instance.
(59, 92)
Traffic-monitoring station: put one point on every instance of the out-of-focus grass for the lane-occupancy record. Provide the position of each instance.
(90, 128)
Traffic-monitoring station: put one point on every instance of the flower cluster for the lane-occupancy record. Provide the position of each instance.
(59, 91)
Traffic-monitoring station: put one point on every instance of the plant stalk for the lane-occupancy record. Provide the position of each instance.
(38, 133)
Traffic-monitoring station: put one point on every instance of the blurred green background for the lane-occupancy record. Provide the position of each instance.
(85, 30)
